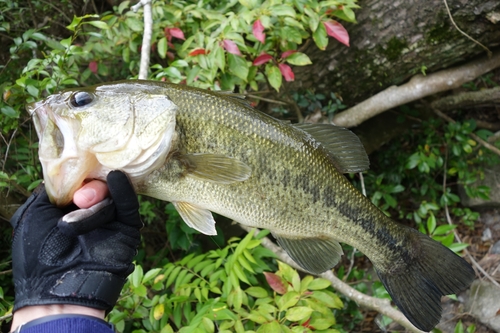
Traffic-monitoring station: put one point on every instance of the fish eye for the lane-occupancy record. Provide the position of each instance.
(80, 99)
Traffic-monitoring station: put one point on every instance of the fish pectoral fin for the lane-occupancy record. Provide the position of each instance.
(315, 255)
(344, 146)
(217, 168)
(197, 218)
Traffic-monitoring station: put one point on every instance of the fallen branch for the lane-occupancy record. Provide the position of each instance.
(382, 306)
(418, 87)
(146, 38)
(467, 99)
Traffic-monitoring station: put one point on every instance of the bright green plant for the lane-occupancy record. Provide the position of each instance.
(225, 290)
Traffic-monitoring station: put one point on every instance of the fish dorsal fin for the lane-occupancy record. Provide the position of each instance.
(315, 255)
(217, 168)
(197, 218)
(238, 98)
(344, 146)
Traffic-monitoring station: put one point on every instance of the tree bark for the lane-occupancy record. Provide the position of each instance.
(394, 40)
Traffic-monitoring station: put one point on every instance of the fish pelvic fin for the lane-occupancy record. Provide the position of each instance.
(197, 218)
(315, 255)
(418, 286)
(217, 168)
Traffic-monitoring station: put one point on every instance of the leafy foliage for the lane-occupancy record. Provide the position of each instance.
(223, 291)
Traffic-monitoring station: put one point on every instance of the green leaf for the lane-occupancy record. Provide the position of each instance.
(320, 37)
(318, 284)
(151, 275)
(288, 300)
(98, 24)
(76, 21)
(431, 223)
(328, 298)
(172, 276)
(66, 42)
(238, 66)
(298, 313)
(457, 247)
(349, 13)
(134, 24)
(162, 47)
(9, 111)
(257, 292)
(136, 276)
(282, 10)
(272, 327)
(298, 59)
(34, 184)
(291, 34)
(220, 58)
(274, 76)
(256, 317)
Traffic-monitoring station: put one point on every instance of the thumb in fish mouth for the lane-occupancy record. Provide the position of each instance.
(64, 176)
(90, 194)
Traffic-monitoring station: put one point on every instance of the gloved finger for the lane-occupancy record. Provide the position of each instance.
(39, 195)
(125, 199)
(82, 221)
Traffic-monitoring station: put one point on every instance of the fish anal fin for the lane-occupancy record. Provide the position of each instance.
(315, 255)
(197, 218)
(416, 286)
(344, 146)
(217, 168)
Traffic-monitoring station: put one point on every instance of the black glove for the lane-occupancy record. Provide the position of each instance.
(75, 256)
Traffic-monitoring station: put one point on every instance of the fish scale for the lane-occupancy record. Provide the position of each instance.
(225, 157)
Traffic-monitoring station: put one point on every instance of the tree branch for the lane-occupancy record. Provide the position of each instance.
(418, 87)
(382, 306)
(146, 38)
(467, 99)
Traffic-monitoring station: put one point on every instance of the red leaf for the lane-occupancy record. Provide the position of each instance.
(177, 33)
(275, 282)
(262, 59)
(258, 31)
(287, 53)
(337, 31)
(93, 66)
(287, 72)
(170, 56)
(231, 47)
(196, 52)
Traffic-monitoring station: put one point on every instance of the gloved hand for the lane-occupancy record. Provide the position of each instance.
(75, 256)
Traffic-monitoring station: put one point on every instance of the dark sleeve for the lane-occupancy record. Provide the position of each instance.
(73, 324)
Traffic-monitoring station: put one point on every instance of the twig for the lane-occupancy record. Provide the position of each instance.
(269, 100)
(382, 306)
(8, 148)
(354, 250)
(462, 32)
(300, 117)
(455, 233)
(146, 38)
(418, 87)
(467, 253)
(7, 316)
(472, 135)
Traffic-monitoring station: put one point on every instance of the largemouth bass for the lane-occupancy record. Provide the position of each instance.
(208, 151)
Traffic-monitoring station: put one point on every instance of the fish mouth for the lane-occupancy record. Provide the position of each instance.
(64, 176)
(65, 166)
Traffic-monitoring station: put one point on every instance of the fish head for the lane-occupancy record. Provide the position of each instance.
(85, 133)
